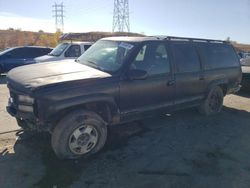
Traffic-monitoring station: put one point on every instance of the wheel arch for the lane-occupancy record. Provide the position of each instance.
(104, 106)
(222, 83)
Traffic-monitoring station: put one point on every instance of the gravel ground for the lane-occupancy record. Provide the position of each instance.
(179, 150)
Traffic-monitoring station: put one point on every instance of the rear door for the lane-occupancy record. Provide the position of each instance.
(154, 92)
(190, 84)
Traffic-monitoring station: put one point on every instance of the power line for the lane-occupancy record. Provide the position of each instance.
(58, 10)
(121, 16)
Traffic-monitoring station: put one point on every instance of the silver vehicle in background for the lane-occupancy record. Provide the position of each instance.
(65, 50)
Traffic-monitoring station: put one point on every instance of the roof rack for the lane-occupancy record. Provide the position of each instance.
(188, 39)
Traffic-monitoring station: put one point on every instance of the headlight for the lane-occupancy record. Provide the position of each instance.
(25, 99)
(25, 108)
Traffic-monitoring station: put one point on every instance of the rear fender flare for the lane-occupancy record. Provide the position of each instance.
(215, 83)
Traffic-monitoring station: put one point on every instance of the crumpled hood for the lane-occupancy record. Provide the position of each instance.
(46, 58)
(42, 74)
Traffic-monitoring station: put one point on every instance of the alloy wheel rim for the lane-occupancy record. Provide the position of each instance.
(83, 139)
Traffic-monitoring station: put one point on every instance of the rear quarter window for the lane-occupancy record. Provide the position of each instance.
(185, 57)
(217, 55)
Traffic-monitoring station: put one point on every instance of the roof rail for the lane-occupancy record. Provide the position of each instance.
(188, 39)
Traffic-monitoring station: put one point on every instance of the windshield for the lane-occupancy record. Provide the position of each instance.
(107, 56)
(59, 49)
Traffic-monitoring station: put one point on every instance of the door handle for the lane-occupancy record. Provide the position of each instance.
(171, 83)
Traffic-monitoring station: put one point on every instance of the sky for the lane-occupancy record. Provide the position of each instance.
(215, 19)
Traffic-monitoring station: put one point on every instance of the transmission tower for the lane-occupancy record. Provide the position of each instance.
(58, 10)
(121, 16)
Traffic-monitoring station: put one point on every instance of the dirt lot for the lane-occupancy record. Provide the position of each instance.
(180, 150)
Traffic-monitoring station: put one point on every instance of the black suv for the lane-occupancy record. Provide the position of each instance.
(120, 79)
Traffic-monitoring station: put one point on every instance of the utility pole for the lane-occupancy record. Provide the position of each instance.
(58, 10)
(121, 16)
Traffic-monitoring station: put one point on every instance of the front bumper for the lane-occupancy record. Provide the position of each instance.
(30, 121)
(29, 118)
(12, 111)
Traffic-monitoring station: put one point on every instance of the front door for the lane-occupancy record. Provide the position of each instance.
(156, 91)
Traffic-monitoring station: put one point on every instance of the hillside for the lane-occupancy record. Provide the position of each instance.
(243, 47)
(11, 38)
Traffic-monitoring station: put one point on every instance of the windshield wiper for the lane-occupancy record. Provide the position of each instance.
(51, 54)
(94, 64)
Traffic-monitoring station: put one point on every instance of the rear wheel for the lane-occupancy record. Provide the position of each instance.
(78, 134)
(213, 103)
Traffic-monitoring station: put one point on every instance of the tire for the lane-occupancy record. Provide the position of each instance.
(80, 133)
(213, 103)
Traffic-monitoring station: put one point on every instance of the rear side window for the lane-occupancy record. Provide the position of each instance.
(34, 52)
(18, 53)
(217, 55)
(185, 56)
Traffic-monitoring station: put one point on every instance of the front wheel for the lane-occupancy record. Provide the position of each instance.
(213, 103)
(80, 133)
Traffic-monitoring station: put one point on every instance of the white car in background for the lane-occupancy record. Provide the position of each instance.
(245, 61)
(65, 50)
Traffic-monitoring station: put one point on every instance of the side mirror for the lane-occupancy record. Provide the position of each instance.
(137, 74)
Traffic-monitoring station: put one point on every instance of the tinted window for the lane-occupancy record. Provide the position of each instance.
(86, 47)
(73, 51)
(216, 55)
(185, 57)
(34, 52)
(18, 53)
(152, 58)
(45, 51)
